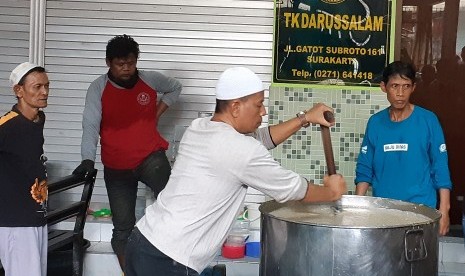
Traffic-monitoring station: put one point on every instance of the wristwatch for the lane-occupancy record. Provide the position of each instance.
(303, 120)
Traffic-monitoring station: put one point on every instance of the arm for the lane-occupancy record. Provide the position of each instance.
(259, 170)
(438, 156)
(444, 206)
(170, 88)
(361, 188)
(272, 136)
(282, 131)
(440, 173)
(91, 119)
(263, 135)
(364, 168)
(161, 108)
(333, 188)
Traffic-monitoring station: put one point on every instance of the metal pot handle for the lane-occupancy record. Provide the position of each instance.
(415, 247)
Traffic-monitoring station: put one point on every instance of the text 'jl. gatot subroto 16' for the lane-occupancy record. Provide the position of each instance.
(337, 59)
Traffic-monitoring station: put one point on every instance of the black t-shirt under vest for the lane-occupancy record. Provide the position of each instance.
(21, 153)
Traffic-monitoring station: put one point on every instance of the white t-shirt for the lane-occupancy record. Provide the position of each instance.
(215, 164)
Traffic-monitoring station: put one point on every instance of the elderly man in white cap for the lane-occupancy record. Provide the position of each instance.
(218, 158)
(23, 196)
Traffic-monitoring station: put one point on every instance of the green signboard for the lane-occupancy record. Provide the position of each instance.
(331, 42)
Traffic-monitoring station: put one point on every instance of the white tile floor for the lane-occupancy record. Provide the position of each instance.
(100, 260)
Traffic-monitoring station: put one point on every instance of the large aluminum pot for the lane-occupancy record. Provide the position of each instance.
(369, 236)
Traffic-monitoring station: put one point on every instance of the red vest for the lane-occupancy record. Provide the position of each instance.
(128, 130)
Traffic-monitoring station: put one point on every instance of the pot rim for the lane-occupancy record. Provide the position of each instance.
(354, 201)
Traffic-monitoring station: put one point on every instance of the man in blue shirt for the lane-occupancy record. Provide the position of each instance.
(403, 154)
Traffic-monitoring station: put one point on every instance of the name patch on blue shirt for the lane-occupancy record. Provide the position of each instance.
(395, 147)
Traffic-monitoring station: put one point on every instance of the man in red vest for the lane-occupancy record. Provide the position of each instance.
(123, 109)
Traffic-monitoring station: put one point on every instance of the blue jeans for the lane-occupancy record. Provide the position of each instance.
(144, 259)
(121, 186)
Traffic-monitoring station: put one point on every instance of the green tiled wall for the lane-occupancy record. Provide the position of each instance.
(303, 152)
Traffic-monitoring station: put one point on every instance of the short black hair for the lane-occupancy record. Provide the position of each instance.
(403, 69)
(35, 69)
(122, 46)
(221, 105)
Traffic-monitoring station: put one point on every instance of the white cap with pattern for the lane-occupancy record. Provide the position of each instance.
(18, 73)
(237, 82)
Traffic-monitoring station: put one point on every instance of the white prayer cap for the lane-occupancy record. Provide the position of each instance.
(237, 82)
(20, 71)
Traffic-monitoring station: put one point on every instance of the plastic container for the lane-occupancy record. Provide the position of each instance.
(252, 214)
(240, 227)
(233, 251)
(234, 246)
(252, 249)
(235, 240)
(252, 246)
(254, 236)
(239, 233)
